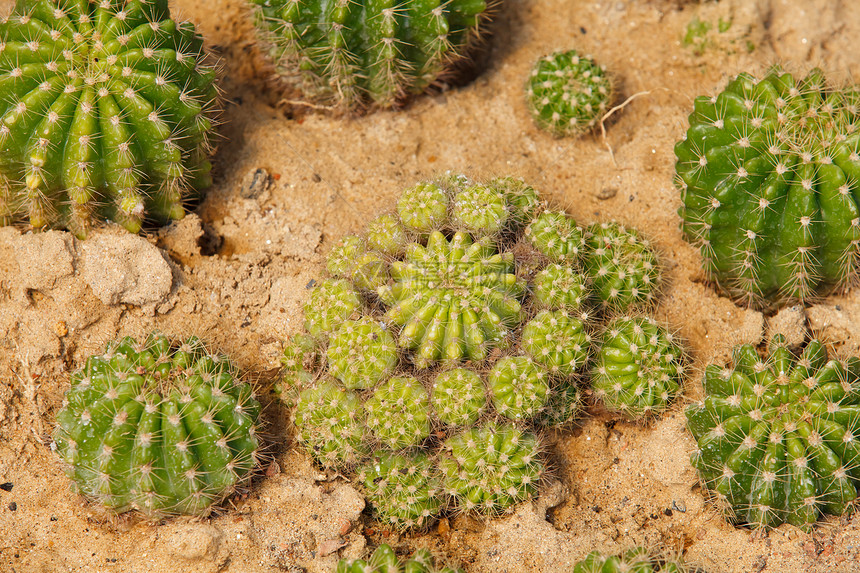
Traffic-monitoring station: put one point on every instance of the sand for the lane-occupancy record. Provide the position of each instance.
(289, 183)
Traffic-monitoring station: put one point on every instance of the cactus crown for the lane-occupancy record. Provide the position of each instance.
(636, 560)
(106, 111)
(768, 175)
(384, 560)
(158, 428)
(777, 436)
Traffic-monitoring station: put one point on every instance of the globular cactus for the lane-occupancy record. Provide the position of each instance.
(778, 436)
(622, 266)
(453, 299)
(299, 360)
(568, 94)
(479, 210)
(424, 207)
(639, 367)
(398, 413)
(563, 407)
(330, 303)
(331, 424)
(636, 560)
(490, 468)
(384, 560)
(106, 110)
(351, 53)
(560, 287)
(386, 235)
(557, 236)
(351, 259)
(557, 341)
(159, 428)
(404, 490)
(361, 353)
(519, 388)
(768, 175)
(458, 397)
(522, 199)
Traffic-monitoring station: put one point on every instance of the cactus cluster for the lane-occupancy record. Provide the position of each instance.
(768, 175)
(568, 94)
(159, 428)
(352, 53)
(636, 560)
(384, 560)
(778, 435)
(106, 110)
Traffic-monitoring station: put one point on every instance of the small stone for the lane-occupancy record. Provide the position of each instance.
(195, 541)
(606, 193)
(329, 546)
(791, 323)
(60, 328)
(255, 183)
(44, 258)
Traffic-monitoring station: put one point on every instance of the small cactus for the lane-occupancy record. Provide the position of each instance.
(568, 94)
(622, 267)
(424, 207)
(351, 259)
(398, 413)
(560, 287)
(563, 407)
(331, 425)
(384, 560)
(519, 388)
(640, 367)
(458, 397)
(353, 53)
(159, 428)
(479, 210)
(778, 436)
(404, 490)
(523, 201)
(386, 235)
(331, 302)
(636, 560)
(768, 175)
(105, 114)
(557, 341)
(361, 353)
(557, 236)
(490, 468)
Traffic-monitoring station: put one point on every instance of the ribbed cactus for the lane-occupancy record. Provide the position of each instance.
(458, 397)
(361, 353)
(351, 259)
(404, 490)
(331, 302)
(349, 53)
(568, 94)
(557, 341)
(557, 236)
(622, 267)
(479, 210)
(637, 560)
(424, 207)
(331, 423)
(519, 388)
(159, 428)
(398, 413)
(778, 436)
(386, 235)
(384, 560)
(640, 367)
(768, 175)
(106, 110)
(560, 287)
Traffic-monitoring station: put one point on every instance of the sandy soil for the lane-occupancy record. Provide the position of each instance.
(235, 273)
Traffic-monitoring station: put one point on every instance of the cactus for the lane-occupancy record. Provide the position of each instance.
(777, 437)
(330, 423)
(636, 560)
(158, 428)
(454, 299)
(559, 287)
(386, 235)
(105, 115)
(423, 208)
(384, 560)
(640, 367)
(351, 259)
(490, 468)
(404, 490)
(458, 397)
(768, 175)
(622, 267)
(479, 210)
(563, 407)
(398, 413)
(557, 236)
(518, 387)
(350, 53)
(331, 302)
(557, 341)
(361, 353)
(523, 201)
(568, 94)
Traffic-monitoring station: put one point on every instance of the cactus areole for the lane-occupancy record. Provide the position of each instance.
(769, 175)
(105, 111)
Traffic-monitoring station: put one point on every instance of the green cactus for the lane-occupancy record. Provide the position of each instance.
(330, 423)
(523, 201)
(479, 210)
(341, 259)
(519, 388)
(490, 468)
(423, 208)
(636, 560)
(350, 259)
(105, 113)
(386, 235)
(568, 94)
(398, 413)
(384, 560)
(557, 341)
(622, 267)
(299, 360)
(778, 437)
(640, 367)
(557, 236)
(347, 54)
(454, 299)
(563, 407)
(361, 353)
(458, 397)
(404, 490)
(158, 428)
(331, 302)
(559, 287)
(768, 175)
